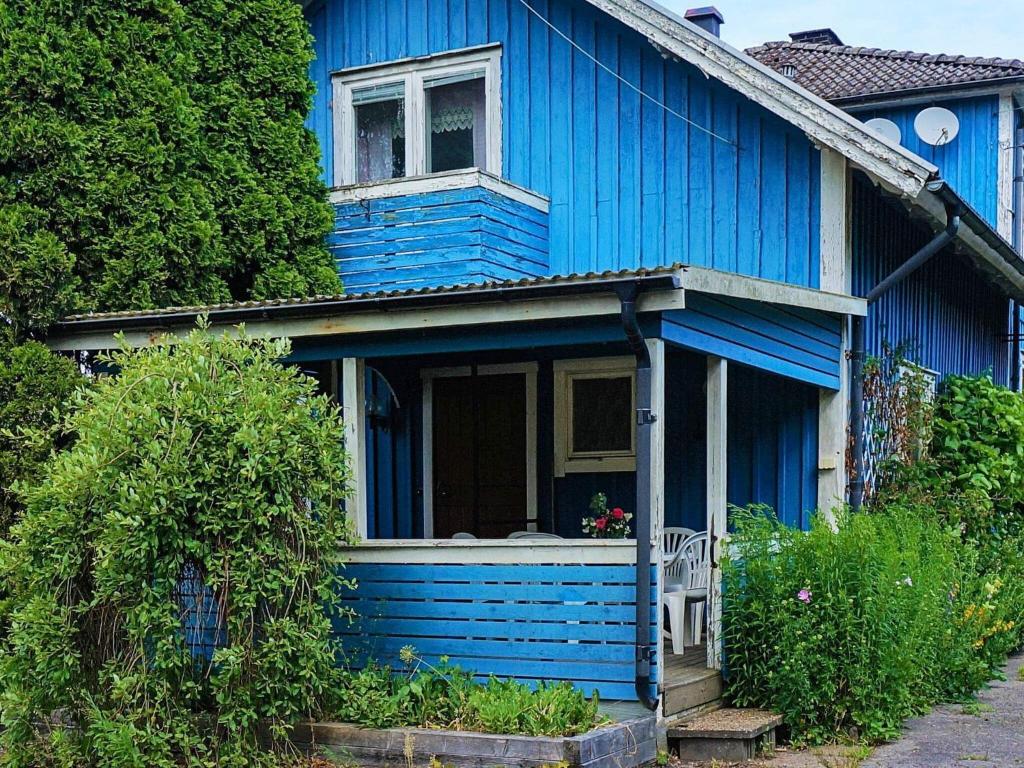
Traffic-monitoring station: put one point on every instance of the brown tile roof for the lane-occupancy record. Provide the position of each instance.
(846, 72)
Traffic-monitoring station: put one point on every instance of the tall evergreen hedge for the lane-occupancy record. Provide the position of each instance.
(153, 153)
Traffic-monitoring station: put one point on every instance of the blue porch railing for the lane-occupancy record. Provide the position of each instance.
(533, 610)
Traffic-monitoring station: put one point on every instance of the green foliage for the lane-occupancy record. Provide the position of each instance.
(853, 631)
(448, 697)
(34, 385)
(153, 153)
(203, 460)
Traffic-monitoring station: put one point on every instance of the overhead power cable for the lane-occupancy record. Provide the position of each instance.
(621, 79)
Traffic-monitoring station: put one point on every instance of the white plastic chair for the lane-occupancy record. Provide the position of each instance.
(463, 535)
(691, 563)
(532, 535)
(672, 540)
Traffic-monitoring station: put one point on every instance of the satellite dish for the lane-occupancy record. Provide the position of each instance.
(887, 128)
(936, 126)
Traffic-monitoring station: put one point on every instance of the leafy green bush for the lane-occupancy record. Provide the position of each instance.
(448, 697)
(204, 466)
(34, 385)
(154, 153)
(852, 630)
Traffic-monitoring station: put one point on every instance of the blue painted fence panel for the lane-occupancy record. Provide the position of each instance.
(793, 342)
(422, 240)
(630, 183)
(552, 621)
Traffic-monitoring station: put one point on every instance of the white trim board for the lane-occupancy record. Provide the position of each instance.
(428, 375)
(703, 280)
(438, 182)
(895, 166)
(495, 551)
(377, 321)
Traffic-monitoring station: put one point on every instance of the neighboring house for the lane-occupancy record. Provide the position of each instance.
(588, 246)
(983, 162)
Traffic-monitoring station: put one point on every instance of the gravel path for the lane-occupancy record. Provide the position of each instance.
(987, 735)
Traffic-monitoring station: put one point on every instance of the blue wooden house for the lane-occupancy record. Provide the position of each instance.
(589, 247)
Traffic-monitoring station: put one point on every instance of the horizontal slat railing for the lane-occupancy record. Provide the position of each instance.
(532, 610)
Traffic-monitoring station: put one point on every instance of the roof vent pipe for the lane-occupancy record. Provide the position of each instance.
(707, 18)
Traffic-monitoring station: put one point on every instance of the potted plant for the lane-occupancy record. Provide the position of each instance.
(605, 523)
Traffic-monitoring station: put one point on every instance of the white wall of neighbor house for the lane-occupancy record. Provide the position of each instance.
(836, 277)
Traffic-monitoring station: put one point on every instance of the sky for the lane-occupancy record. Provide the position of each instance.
(968, 27)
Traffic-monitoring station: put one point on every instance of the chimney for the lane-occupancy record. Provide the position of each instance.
(823, 36)
(707, 18)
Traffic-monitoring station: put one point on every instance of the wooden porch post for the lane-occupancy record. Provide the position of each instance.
(656, 349)
(353, 400)
(835, 276)
(717, 398)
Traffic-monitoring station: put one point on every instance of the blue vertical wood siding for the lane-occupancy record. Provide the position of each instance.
(797, 343)
(454, 237)
(630, 184)
(946, 317)
(970, 163)
(773, 445)
(553, 621)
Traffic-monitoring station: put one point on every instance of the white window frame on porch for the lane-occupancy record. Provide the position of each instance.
(428, 376)
(412, 73)
(567, 461)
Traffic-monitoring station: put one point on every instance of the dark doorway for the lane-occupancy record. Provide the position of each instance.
(479, 455)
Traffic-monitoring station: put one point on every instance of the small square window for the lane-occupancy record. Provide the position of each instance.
(602, 410)
(456, 122)
(595, 407)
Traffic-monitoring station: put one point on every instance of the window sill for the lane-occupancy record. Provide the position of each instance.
(437, 182)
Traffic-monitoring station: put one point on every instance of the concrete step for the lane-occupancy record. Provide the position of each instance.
(699, 688)
(730, 735)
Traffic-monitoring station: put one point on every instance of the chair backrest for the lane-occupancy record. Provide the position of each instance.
(672, 540)
(697, 554)
(532, 535)
(463, 535)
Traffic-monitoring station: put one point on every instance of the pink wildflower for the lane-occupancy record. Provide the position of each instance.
(804, 596)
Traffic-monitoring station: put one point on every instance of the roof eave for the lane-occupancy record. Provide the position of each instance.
(952, 91)
(894, 166)
(978, 238)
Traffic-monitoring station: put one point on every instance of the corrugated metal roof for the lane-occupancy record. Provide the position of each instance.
(550, 283)
(841, 72)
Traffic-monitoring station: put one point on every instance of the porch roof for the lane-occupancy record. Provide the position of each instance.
(532, 299)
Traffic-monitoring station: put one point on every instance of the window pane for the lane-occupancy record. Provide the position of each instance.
(380, 132)
(456, 123)
(602, 415)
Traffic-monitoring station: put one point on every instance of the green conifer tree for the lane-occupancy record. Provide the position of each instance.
(154, 153)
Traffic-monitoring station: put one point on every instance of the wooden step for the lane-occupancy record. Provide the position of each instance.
(730, 735)
(698, 688)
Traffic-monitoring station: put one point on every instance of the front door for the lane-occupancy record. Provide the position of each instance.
(479, 462)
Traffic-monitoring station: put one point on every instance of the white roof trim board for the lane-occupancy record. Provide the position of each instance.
(897, 168)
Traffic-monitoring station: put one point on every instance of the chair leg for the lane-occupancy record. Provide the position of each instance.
(676, 621)
(697, 621)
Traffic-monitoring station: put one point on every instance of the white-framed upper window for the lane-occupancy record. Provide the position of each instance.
(418, 116)
(595, 415)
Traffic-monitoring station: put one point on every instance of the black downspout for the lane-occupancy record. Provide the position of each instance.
(644, 418)
(858, 352)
